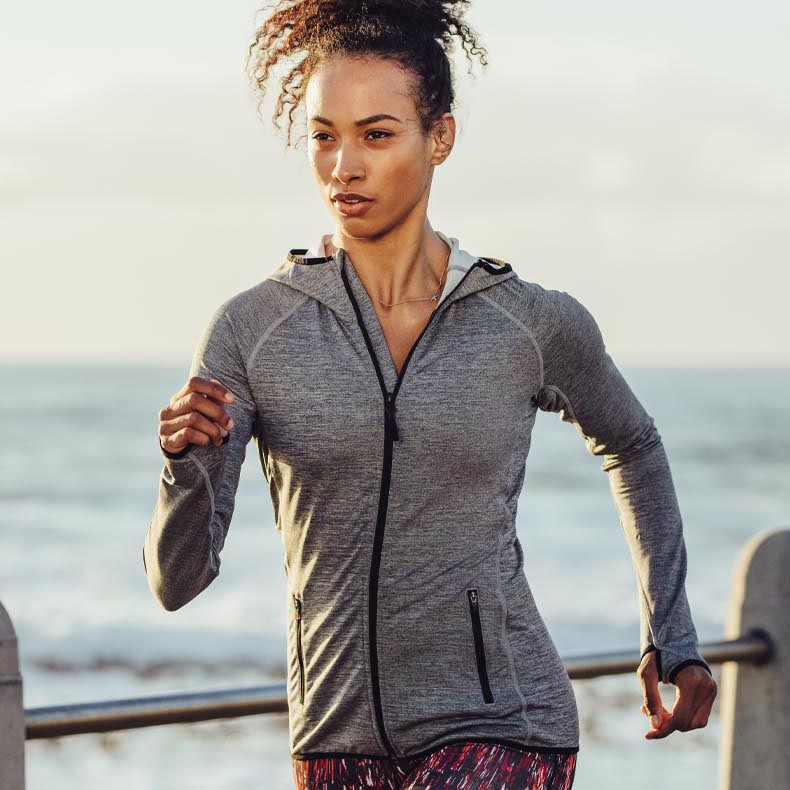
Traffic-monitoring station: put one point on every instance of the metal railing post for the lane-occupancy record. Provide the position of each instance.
(755, 700)
(12, 711)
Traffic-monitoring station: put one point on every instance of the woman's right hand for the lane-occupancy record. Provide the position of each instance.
(195, 415)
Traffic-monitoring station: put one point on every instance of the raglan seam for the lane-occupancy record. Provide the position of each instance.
(559, 316)
(521, 326)
(259, 343)
(533, 315)
(250, 405)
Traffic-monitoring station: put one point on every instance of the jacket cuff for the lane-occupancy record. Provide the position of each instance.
(181, 454)
(673, 674)
(187, 449)
(658, 658)
(668, 669)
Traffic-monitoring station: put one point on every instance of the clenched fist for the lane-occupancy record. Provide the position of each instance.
(195, 415)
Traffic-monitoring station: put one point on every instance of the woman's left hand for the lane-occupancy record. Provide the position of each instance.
(695, 691)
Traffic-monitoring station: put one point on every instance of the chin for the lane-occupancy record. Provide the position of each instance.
(365, 227)
(359, 227)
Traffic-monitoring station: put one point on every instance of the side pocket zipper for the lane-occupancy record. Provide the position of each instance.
(298, 607)
(477, 630)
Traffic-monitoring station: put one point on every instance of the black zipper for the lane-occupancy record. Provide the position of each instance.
(390, 435)
(480, 653)
(298, 607)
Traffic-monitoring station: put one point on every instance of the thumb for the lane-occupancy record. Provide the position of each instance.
(653, 706)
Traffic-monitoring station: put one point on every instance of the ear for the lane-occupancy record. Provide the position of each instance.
(443, 137)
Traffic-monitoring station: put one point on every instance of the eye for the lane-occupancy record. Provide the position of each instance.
(381, 132)
(317, 136)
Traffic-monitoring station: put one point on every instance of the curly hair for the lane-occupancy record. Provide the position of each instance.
(416, 34)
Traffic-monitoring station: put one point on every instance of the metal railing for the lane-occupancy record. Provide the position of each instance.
(126, 714)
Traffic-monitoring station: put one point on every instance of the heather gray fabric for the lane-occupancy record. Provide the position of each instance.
(390, 517)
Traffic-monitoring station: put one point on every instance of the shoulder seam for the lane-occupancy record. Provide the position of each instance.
(521, 326)
(259, 343)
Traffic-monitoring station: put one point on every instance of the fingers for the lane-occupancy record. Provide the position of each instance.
(209, 398)
(663, 723)
(702, 710)
(679, 717)
(211, 388)
(695, 693)
(196, 415)
(695, 683)
(666, 727)
(652, 705)
(683, 708)
(192, 427)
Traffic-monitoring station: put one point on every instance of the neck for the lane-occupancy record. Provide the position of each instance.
(403, 263)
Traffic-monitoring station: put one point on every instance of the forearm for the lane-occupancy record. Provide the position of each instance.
(582, 382)
(645, 496)
(181, 547)
(197, 485)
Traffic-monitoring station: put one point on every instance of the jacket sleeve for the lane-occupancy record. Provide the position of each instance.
(197, 486)
(581, 381)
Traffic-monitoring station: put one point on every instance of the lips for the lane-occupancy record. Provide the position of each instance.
(349, 197)
(351, 204)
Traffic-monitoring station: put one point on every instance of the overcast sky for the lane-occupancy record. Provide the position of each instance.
(635, 155)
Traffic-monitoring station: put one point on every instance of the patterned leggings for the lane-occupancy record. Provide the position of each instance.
(470, 765)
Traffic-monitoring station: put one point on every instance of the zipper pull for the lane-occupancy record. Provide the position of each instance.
(390, 413)
(298, 607)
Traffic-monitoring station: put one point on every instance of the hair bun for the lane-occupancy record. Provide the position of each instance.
(416, 33)
(439, 19)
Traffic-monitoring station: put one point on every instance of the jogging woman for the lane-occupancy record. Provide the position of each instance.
(390, 380)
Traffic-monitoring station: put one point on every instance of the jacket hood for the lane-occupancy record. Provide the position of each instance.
(319, 276)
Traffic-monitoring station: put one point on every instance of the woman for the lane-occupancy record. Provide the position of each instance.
(391, 381)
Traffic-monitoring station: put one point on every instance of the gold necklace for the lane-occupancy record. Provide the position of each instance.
(434, 297)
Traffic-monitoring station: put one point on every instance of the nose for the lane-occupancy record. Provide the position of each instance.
(348, 164)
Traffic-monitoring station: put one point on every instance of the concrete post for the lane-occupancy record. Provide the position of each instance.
(12, 711)
(755, 700)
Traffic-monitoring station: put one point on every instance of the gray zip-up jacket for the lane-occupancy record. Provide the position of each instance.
(411, 621)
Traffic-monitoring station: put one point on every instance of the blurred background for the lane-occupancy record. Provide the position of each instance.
(635, 156)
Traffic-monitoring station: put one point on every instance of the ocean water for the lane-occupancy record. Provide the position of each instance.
(80, 466)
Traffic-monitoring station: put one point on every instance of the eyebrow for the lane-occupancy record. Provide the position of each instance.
(382, 116)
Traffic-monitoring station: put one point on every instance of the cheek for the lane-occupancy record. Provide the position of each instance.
(407, 174)
(320, 165)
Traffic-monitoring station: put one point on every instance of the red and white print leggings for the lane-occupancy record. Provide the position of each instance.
(469, 765)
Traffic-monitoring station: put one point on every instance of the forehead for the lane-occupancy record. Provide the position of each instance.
(345, 87)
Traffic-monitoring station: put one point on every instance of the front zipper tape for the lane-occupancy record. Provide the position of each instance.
(480, 653)
(299, 654)
(391, 435)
